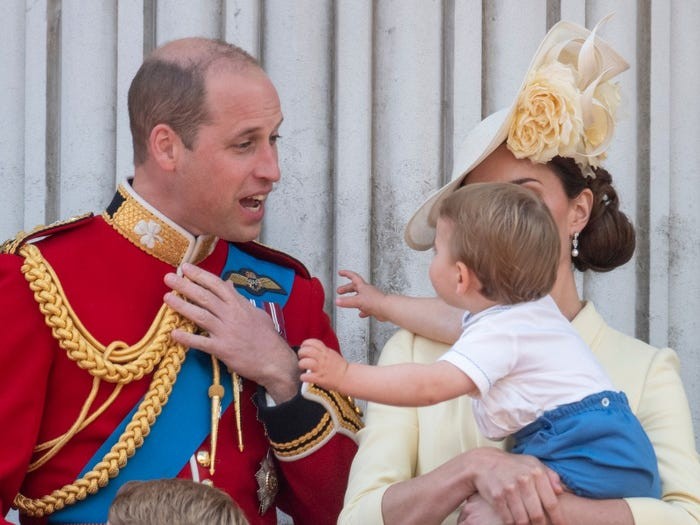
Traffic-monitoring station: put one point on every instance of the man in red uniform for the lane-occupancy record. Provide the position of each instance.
(94, 391)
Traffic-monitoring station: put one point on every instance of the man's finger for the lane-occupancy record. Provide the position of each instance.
(190, 340)
(192, 292)
(211, 282)
(198, 314)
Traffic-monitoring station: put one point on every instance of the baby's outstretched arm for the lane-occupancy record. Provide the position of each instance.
(427, 316)
(368, 299)
(321, 365)
(405, 384)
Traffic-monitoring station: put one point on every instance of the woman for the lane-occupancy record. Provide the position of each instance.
(419, 465)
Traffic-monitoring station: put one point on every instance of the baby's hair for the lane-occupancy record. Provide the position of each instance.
(506, 235)
(173, 501)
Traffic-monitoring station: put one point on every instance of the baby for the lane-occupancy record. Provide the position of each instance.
(529, 373)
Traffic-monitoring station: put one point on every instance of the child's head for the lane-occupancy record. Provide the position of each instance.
(173, 501)
(506, 236)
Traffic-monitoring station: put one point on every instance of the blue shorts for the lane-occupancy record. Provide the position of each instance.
(597, 446)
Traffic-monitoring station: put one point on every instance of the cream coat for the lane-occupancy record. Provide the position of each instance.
(400, 443)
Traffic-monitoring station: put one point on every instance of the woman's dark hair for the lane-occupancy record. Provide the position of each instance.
(608, 240)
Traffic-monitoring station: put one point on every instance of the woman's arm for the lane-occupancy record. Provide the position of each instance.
(518, 488)
(428, 316)
(574, 511)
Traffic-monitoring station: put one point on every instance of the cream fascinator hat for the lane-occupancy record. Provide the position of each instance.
(565, 106)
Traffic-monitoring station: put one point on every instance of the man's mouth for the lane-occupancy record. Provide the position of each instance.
(254, 202)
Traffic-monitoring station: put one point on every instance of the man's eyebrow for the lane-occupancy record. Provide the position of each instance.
(254, 129)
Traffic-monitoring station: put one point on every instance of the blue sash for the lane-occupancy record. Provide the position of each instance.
(170, 444)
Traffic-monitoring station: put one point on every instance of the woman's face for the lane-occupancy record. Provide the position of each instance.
(502, 166)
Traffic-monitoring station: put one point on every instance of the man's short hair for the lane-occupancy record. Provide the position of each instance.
(170, 88)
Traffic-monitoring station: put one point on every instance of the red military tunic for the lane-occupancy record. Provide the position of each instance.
(111, 271)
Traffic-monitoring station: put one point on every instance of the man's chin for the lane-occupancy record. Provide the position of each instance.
(246, 234)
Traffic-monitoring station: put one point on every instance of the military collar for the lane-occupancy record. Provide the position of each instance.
(153, 232)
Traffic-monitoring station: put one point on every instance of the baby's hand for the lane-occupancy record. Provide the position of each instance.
(367, 299)
(321, 365)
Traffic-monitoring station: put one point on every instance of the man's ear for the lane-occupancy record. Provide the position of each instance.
(164, 146)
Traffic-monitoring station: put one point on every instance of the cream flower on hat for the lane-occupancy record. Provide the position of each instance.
(547, 121)
(566, 107)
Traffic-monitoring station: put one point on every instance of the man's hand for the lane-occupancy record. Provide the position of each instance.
(238, 333)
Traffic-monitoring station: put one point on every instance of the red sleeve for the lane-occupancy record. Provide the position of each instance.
(25, 360)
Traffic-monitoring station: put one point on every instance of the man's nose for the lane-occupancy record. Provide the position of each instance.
(268, 165)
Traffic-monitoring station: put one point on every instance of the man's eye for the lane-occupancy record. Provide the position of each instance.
(244, 145)
(275, 138)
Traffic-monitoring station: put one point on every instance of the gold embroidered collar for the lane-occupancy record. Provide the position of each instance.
(153, 232)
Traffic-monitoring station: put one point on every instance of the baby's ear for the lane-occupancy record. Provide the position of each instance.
(467, 280)
(464, 276)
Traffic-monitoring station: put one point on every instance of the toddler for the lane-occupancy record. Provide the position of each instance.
(529, 373)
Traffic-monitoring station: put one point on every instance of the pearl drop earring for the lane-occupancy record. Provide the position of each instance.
(574, 245)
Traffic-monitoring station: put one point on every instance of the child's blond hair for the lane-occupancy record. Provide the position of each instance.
(173, 502)
(506, 235)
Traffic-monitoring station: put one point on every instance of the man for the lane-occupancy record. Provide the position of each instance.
(94, 390)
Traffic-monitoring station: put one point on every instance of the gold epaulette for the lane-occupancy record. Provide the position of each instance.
(12, 245)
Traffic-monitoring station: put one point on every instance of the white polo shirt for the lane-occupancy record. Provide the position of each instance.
(525, 359)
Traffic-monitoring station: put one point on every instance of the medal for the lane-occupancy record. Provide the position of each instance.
(266, 476)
